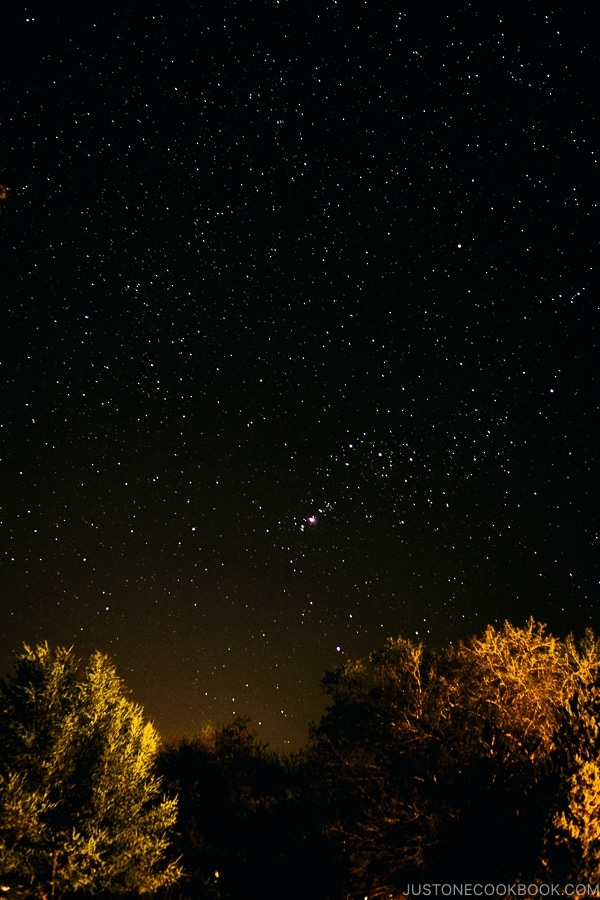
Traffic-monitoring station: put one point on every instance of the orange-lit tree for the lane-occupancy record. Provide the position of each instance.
(443, 764)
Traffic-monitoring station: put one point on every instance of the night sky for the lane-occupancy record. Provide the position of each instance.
(297, 343)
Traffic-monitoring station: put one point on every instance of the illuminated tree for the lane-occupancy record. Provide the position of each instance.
(576, 831)
(518, 681)
(425, 753)
(80, 806)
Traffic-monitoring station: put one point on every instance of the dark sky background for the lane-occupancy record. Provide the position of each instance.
(298, 338)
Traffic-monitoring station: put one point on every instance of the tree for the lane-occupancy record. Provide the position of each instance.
(574, 841)
(375, 757)
(81, 808)
(227, 782)
(423, 753)
(512, 686)
(242, 825)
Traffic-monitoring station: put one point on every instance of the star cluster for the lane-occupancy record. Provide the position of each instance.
(298, 344)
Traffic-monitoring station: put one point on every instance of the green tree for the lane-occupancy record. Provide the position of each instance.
(81, 808)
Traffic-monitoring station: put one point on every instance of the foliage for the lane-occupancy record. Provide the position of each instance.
(81, 808)
(575, 838)
(423, 753)
(492, 744)
(242, 825)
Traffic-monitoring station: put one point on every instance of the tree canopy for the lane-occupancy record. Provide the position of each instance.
(424, 753)
(81, 808)
(478, 760)
(243, 828)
